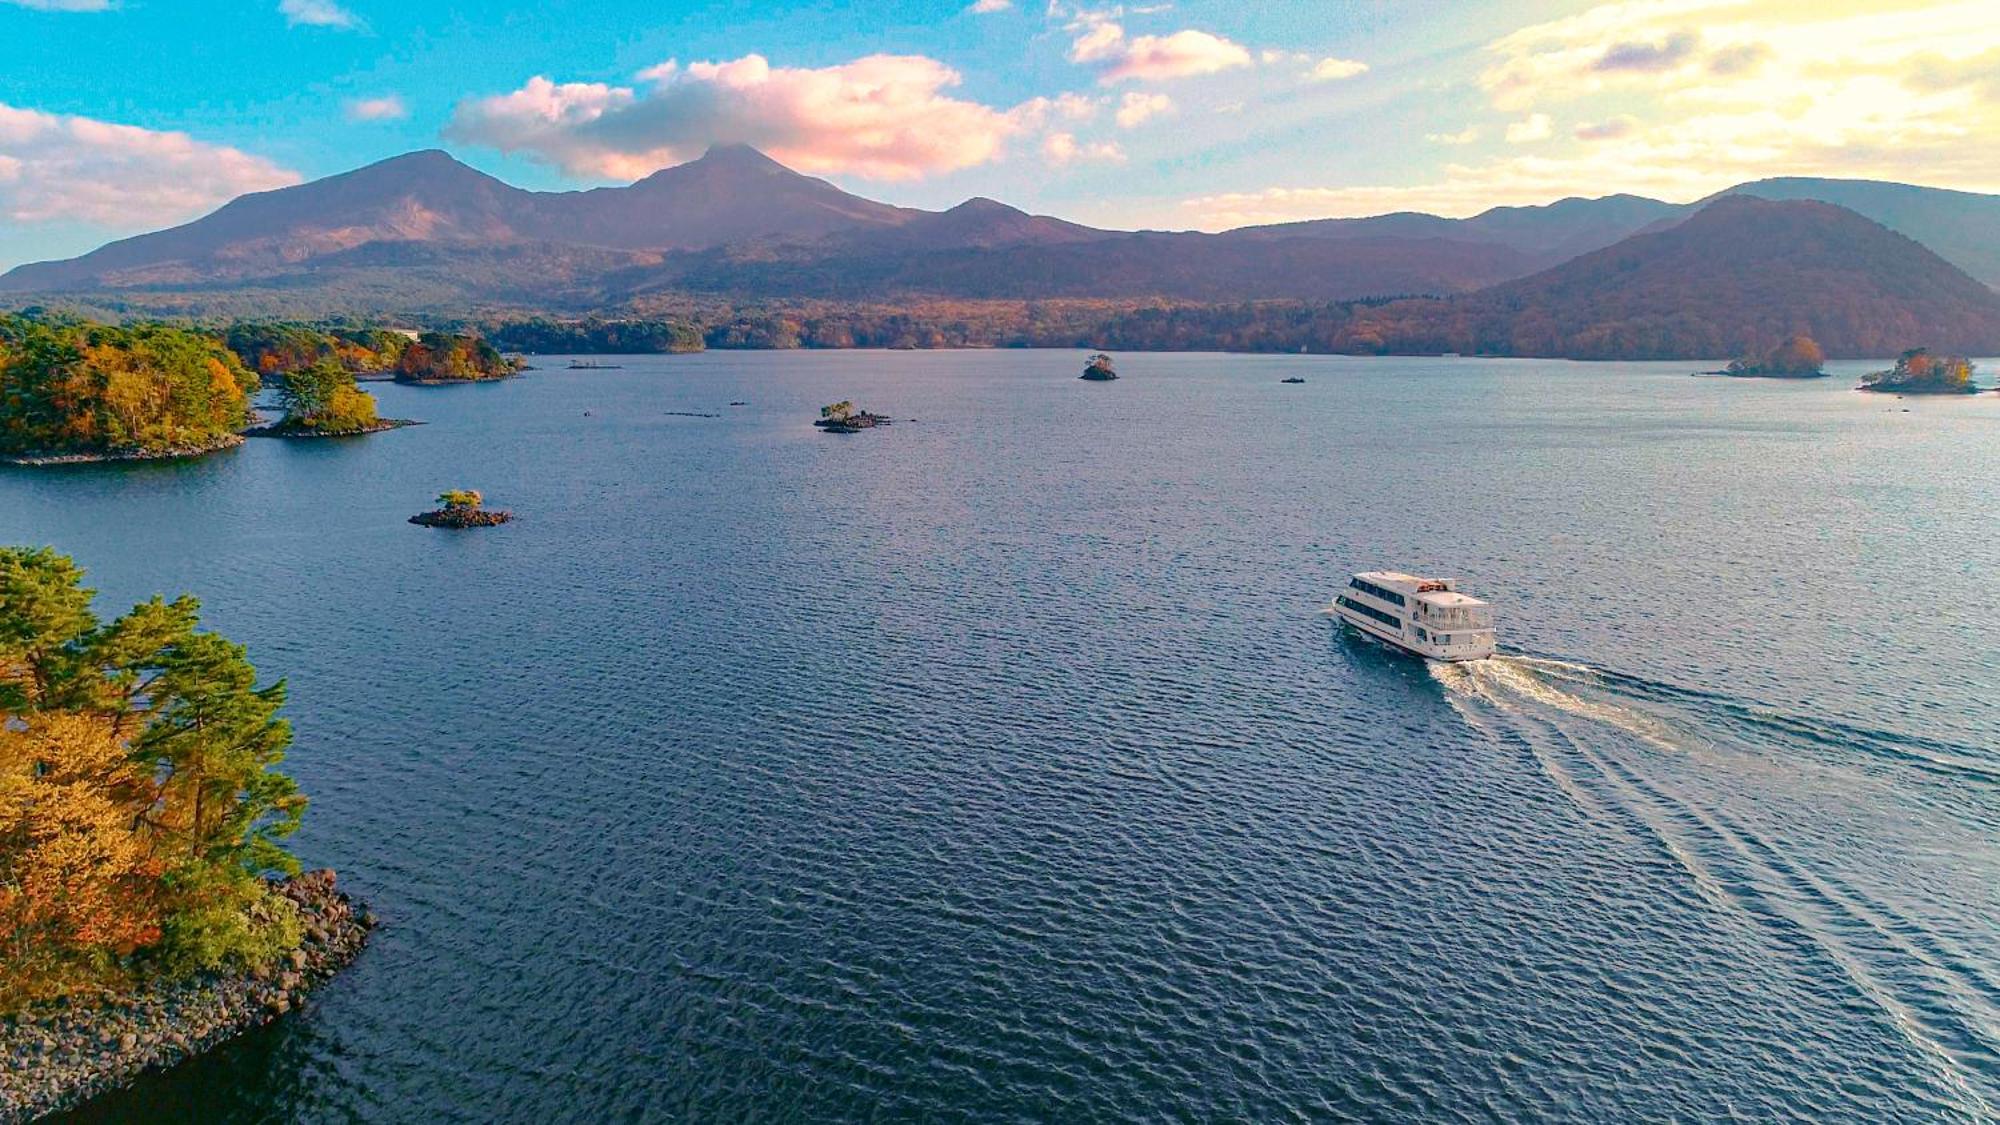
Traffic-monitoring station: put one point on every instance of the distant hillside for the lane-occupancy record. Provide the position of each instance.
(1737, 277)
(1196, 267)
(1962, 227)
(1543, 236)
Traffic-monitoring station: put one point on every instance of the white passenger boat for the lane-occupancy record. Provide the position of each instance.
(1421, 615)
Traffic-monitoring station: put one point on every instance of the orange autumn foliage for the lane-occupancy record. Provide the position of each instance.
(78, 879)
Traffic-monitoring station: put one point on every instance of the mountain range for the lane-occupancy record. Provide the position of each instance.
(424, 233)
(1737, 272)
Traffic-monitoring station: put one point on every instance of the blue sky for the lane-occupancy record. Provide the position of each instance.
(118, 116)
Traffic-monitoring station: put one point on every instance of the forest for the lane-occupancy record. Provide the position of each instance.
(75, 387)
(140, 806)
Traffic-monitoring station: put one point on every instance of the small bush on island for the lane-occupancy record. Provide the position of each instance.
(1919, 372)
(1796, 358)
(1099, 369)
(140, 805)
(75, 389)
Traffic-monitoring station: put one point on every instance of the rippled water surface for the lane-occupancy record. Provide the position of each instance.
(995, 766)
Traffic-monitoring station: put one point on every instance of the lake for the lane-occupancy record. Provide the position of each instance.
(997, 765)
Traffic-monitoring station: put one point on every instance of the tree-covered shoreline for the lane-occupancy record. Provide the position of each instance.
(148, 904)
(80, 390)
(140, 801)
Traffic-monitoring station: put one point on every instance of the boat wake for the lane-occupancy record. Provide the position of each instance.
(1826, 837)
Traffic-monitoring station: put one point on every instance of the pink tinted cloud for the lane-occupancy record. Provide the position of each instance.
(885, 117)
(1184, 54)
(388, 107)
(59, 168)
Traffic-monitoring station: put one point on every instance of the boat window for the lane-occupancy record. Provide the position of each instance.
(1373, 590)
(1387, 619)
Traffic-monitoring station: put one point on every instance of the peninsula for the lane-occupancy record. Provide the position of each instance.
(148, 906)
(323, 400)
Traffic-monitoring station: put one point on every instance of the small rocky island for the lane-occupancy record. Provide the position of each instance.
(1099, 369)
(1918, 372)
(843, 418)
(1797, 358)
(463, 507)
(322, 400)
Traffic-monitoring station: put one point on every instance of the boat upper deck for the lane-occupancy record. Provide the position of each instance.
(1435, 592)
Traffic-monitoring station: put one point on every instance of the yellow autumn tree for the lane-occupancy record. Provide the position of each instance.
(79, 883)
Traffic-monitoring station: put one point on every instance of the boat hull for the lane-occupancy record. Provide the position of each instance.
(1479, 649)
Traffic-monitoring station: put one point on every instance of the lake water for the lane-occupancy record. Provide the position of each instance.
(996, 766)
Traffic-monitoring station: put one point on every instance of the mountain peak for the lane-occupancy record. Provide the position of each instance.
(981, 205)
(739, 155)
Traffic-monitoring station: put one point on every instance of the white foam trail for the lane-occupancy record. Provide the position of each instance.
(1519, 676)
(1517, 685)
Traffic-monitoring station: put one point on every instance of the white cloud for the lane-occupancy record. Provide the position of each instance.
(1733, 90)
(1609, 129)
(1037, 113)
(318, 13)
(1137, 108)
(388, 107)
(1184, 54)
(883, 117)
(988, 7)
(1329, 70)
(59, 168)
(63, 5)
(1063, 148)
(1097, 43)
(1464, 136)
(1534, 127)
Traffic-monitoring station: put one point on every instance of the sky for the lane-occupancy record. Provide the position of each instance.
(122, 116)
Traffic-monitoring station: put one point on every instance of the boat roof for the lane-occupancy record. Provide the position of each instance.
(1430, 591)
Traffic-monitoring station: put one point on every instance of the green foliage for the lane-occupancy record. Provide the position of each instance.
(200, 741)
(461, 499)
(78, 387)
(221, 917)
(323, 396)
(44, 610)
(840, 409)
(593, 336)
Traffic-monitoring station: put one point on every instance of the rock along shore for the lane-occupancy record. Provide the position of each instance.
(226, 441)
(279, 430)
(458, 518)
(56, 1057)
